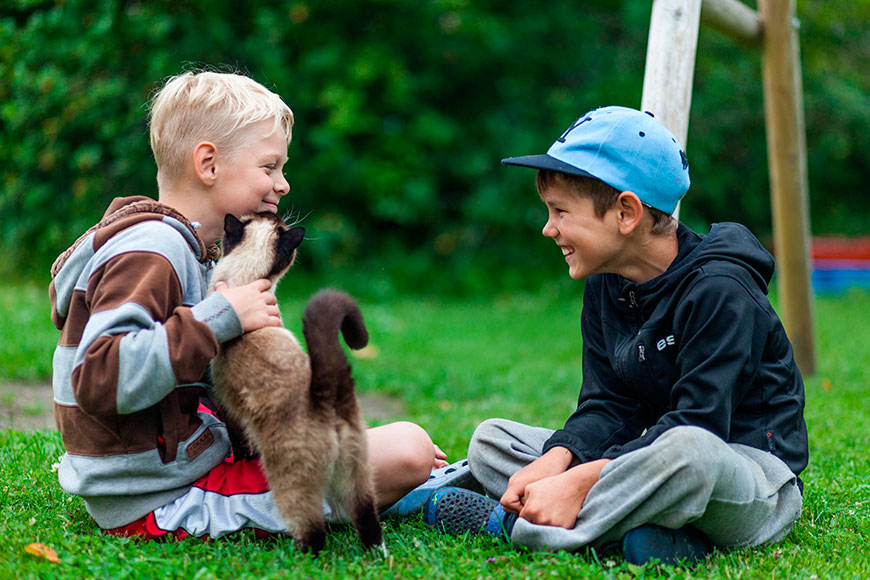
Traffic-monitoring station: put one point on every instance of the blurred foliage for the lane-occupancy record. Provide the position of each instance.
(403, 111)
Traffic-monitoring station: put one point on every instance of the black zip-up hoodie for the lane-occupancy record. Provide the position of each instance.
(698, 345)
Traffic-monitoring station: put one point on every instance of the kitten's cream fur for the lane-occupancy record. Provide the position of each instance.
(301, 416)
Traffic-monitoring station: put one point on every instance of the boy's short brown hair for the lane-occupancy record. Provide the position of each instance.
(603, 196)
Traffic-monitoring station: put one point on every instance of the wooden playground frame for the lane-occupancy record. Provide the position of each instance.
(667, 92)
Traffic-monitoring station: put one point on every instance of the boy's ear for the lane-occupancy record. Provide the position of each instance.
(234, 229)
(629, 212)
(204, 156)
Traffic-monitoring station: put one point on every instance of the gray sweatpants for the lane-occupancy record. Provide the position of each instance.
(736, 495)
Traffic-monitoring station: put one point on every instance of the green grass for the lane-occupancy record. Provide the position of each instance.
(453, 363)
(27, 336)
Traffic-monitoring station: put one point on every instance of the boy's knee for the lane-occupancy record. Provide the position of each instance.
(692, 449)
(413, 451)
(482, 438)
(691, 439)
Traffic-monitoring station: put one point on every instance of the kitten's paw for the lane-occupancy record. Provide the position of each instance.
(381, 550)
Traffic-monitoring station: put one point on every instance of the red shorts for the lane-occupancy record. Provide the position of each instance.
(232, 496)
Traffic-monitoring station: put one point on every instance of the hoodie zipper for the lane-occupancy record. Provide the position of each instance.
(635, 308)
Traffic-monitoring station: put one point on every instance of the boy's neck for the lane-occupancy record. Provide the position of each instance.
(652, 256)
(192, 205)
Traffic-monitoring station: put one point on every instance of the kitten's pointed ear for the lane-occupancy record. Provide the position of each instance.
(234, 229)
(288, 241)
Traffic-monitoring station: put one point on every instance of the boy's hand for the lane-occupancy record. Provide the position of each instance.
(255, 307)
(556, 500)
(553, 462)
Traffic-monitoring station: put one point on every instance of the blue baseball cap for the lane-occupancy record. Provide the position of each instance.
(626, 149)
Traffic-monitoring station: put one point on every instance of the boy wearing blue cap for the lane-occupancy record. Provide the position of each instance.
(689, 429)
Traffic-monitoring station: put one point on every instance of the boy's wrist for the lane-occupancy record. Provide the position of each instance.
(559, 456)
(217, 312)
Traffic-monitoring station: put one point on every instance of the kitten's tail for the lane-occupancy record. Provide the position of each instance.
(328, 312)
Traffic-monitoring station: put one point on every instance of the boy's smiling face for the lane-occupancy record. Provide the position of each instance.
(590, 244)
(253, 179)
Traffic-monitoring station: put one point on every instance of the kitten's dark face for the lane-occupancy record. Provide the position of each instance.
(282, 238)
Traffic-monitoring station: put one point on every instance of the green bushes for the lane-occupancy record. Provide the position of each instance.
(404, 110)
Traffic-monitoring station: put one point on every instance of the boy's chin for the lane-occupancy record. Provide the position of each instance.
(575, 274)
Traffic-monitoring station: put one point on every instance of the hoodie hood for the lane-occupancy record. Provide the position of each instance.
(727, 247)
(122, 213)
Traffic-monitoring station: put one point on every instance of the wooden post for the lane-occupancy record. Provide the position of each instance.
(734, 19)
(786, 147)
(670, 65)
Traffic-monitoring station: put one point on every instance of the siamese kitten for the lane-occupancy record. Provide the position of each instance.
(299, 413)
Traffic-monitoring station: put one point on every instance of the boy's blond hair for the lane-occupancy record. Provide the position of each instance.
(220, 108)
(603, 197)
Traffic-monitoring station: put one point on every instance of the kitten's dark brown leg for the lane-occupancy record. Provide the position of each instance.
(313, 540)
(360, 502)
(367, 524)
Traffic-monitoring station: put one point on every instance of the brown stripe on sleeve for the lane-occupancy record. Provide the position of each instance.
(192, 345)
(146, 278)
(74, 327)
(95, 381)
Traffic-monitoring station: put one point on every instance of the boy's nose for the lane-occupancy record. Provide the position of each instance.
(282, 186)
(549, 231)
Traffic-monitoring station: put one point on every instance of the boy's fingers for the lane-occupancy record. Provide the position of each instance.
(511, 502)
(512, 508)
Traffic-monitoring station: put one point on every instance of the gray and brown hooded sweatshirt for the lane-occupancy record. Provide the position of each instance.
(137, 336)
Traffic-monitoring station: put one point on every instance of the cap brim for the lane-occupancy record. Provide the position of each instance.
(545, 162)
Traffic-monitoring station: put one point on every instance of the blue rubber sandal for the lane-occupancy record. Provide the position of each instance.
(454, 475)
(461, 511)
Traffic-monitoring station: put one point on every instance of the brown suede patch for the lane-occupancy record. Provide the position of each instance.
(201, 443)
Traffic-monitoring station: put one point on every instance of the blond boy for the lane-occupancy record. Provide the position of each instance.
(137, 332)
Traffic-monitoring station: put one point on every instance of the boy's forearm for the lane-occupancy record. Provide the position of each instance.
(559, 457)
(583, 476)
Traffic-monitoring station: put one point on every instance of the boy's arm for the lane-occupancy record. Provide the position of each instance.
(140, 341)
(723, 337)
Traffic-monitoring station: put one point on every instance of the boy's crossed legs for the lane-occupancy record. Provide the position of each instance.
(734, 494)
